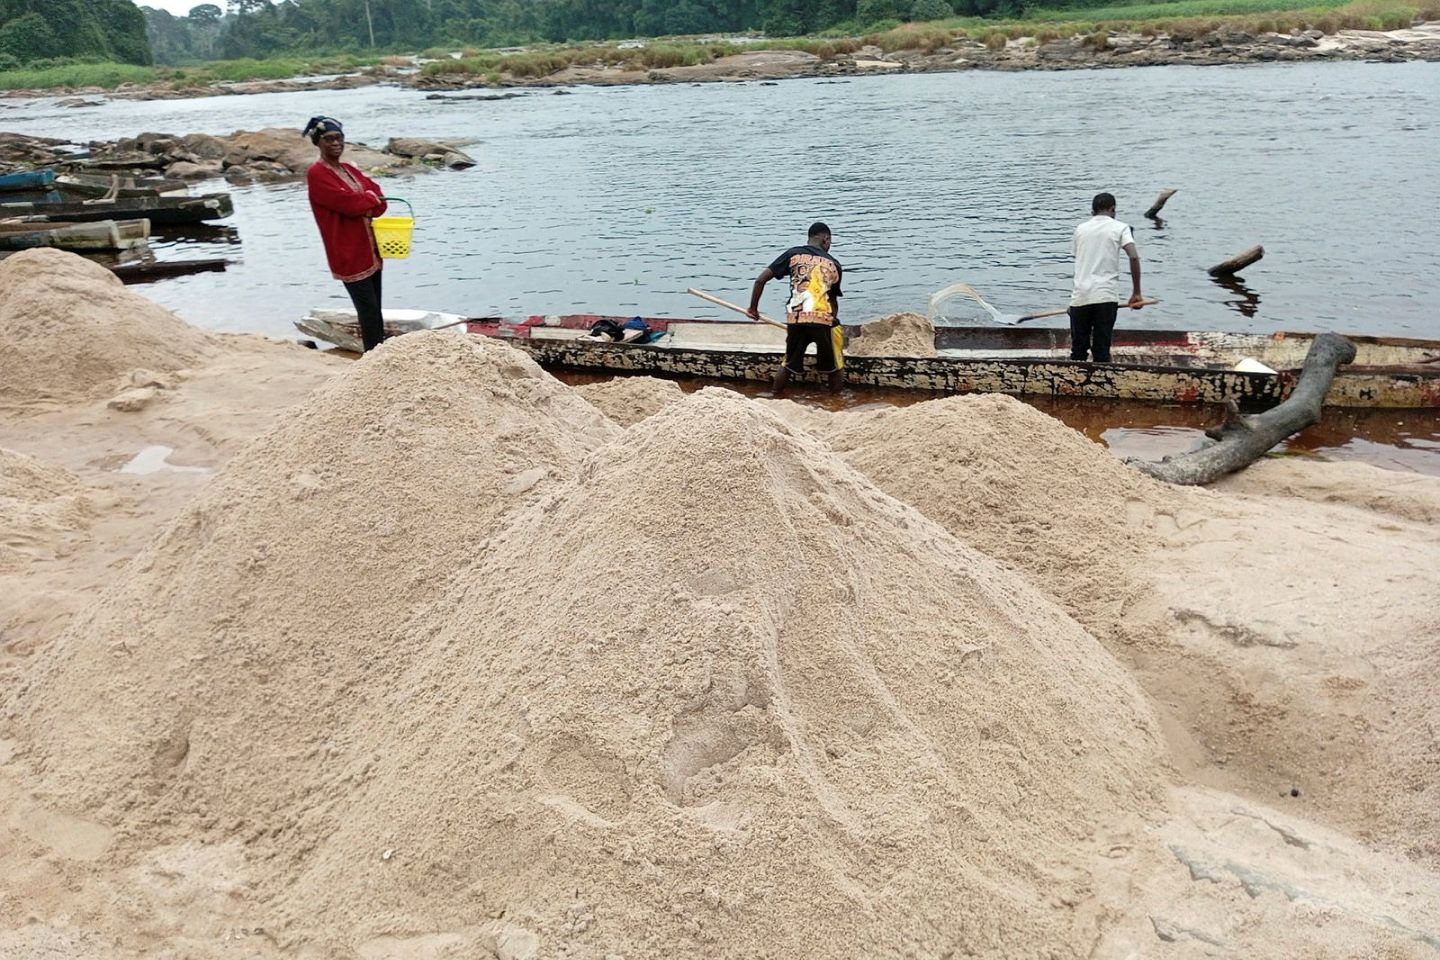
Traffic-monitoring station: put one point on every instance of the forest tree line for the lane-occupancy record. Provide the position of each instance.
(263, 28)
(41, 30)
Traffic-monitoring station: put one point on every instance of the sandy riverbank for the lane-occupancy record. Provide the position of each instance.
(430, 655)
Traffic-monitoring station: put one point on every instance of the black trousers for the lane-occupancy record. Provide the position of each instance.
(1091, 329)
(365, 294)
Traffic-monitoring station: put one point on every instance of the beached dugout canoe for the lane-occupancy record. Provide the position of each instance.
(26, 180)
(95, 185)
(161, 211)
(1163, 366)
(103, 235)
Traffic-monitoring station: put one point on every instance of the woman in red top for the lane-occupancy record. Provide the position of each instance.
(344, 201)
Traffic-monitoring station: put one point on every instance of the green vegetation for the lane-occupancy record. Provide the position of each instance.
(1181, 8)
(110, 75)
(32, 31)
(1094, 26)
(298, 27)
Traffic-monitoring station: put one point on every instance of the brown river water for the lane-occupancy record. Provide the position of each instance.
(614, 200)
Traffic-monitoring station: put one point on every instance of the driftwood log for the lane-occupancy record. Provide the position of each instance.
(1244, 439)
(1237, 263)
(1155, 207)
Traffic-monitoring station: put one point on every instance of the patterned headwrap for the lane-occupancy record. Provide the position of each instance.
(321, 125)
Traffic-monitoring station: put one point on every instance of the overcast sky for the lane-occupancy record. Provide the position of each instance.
(177, 7)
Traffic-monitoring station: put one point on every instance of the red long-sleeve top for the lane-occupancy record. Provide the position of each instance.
(343, 214)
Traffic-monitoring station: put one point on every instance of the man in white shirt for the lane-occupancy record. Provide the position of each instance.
(1093, 305)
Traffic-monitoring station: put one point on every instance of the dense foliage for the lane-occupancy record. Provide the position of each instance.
(189, 39)
(48, 30)
(259, 28)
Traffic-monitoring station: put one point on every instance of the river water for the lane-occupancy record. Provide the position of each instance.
(614, 200)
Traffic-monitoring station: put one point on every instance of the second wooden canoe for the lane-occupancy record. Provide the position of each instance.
(101, 235)
(162, 211)
(27, 180)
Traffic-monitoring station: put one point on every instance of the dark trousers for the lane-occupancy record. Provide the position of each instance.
(365, 294)
(1091, 328)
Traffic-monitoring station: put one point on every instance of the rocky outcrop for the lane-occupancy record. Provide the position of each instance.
(1225, 45)
(271, 154)
(19, 152)
(438, 153)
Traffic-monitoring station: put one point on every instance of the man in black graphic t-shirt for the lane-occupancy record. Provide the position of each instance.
(812, 313)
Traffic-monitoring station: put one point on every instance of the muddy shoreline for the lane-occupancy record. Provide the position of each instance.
(1220, 47)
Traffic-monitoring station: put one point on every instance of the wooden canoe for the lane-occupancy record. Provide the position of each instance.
(102, 235)
(1163, 366)
(94, 185)
(28, 180)
(161, 211)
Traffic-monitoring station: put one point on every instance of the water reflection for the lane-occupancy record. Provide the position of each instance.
(1246, 301)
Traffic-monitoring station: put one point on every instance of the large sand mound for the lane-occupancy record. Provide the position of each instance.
(1312, 659)
(72, 330)
(243, 639)
(809, 724)
(717, 717)
(1017, 485)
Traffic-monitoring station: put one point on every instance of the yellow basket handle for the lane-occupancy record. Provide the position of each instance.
(401, 200)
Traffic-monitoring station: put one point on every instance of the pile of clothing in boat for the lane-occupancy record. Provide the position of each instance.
(634, 330)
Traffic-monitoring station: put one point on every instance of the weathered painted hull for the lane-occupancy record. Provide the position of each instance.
(29, 180)
(1163, 366)
(109, 235)
(1166, 366)
(1066, 378)
(90, 185)
(162, 211)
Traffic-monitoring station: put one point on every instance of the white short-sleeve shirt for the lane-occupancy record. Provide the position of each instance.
(1098, 246)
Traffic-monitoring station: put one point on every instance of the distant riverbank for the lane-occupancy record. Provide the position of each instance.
(1294, 36)
(1044, 51)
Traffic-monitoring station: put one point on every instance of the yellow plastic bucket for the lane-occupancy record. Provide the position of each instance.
(392, 234)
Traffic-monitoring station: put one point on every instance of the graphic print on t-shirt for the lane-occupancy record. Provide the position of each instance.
(811, 280)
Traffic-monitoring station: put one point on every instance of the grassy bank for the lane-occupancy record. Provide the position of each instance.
(108, 76)
(1182, 17)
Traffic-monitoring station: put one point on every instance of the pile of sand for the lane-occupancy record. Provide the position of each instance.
(1019, 486)
(449, 664)
(36, 499)
(809, 725)
(72, 330)
(1311, 658)
(898, 335)
(628, 400)
(277, 597)
(1409, 496)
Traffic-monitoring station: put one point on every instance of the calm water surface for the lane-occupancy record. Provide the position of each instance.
(617, 199)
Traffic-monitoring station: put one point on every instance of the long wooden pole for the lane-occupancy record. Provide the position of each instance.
(1062, 312)
(730, 306)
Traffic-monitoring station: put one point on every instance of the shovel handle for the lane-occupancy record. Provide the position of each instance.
(730, 306)
(1145, 302)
